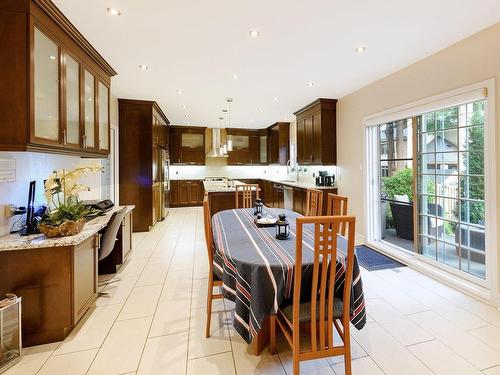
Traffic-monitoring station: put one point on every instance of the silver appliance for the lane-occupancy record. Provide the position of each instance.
(165, 182)
(288, 197)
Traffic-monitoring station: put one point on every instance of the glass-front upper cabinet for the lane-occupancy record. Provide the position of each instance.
(89, 110)
(103, 110)
(46, 88)
(71, 134)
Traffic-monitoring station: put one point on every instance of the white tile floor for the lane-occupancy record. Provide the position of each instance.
(153, 322)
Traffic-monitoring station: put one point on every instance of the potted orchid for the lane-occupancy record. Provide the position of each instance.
(66, 214)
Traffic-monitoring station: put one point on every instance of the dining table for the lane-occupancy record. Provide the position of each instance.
(257, 269)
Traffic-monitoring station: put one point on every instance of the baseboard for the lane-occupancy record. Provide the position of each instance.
(359, 239)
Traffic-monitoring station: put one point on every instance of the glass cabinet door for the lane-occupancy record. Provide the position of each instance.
(89, 137)
(72, 131)
(103, 93)
(46, 87)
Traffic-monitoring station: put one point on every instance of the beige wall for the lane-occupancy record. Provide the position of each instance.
(472, 60)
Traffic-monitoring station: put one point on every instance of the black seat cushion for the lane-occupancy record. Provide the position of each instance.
(305, 310)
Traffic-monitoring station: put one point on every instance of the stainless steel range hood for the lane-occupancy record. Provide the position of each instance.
(216, 151)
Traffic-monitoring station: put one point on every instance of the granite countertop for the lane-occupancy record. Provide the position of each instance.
(221, 186)
(301, 185)
(18, 242)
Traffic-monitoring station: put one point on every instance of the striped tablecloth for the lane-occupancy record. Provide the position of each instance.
(257, 269)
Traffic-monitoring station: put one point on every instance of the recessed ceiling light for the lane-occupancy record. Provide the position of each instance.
(254, 33)
(179, 91)
(235, 76)
(261, 111)
(90, 99)
(143, 67)
(310, 84)
(114, 11)
(275, 98)
(360, 49)
(183, 106)
(52, 57)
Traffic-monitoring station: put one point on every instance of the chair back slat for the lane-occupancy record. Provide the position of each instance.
(247, 194)
(314, 202)
(337, 206)
(323, 277)
(208, 229)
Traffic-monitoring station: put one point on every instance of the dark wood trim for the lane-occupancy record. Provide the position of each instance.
(58, 17)
(325, 104)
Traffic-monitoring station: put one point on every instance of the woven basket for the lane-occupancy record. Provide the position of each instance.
(68, 228)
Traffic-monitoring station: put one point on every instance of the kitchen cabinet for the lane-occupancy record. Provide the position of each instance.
(278, 143)
(57, 89)
(299, 200)
(316, 133)
(187, 193)
(248, 148)
(187, 145)
(143, 161)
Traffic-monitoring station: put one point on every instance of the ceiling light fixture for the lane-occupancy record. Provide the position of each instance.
(52, 57)
(275, 98)
(310, 84)
(179, 91)
(143, 67)
(254, 33)
(114, 12)
(183, 106)
(360, 49)
(235, 76)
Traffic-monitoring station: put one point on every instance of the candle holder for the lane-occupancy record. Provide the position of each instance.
(258, 206)
(282, 228)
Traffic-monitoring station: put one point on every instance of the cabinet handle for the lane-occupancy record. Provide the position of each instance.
(65, 141)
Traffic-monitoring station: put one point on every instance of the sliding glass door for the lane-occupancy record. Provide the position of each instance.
(429, 194)
(451, 210)
(396, 183)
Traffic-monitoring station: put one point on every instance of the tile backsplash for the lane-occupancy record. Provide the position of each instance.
(306, 174)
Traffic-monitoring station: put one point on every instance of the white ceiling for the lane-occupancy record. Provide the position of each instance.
(198, 45)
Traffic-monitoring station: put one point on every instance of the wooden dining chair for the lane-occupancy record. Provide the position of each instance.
(324, 311)
(314, 202)
(337, 206)
(247, 193)
(213, 280)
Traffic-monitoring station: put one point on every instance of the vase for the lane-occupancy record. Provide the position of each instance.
(67, 228)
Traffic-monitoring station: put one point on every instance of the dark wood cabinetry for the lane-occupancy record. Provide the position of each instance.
(248, 149)
(54, 84)
(186, 193)
(278, 143)
(316, 133)
(143, 156)
(187, 145)
(299, 200)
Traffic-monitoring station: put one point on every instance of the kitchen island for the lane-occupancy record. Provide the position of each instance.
(274, 193)
(221, 194)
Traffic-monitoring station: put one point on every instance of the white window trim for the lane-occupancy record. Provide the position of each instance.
(484, 289)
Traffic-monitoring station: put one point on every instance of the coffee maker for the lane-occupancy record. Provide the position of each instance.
(324, 179)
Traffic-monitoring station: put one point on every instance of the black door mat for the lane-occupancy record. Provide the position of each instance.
(372, 260)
